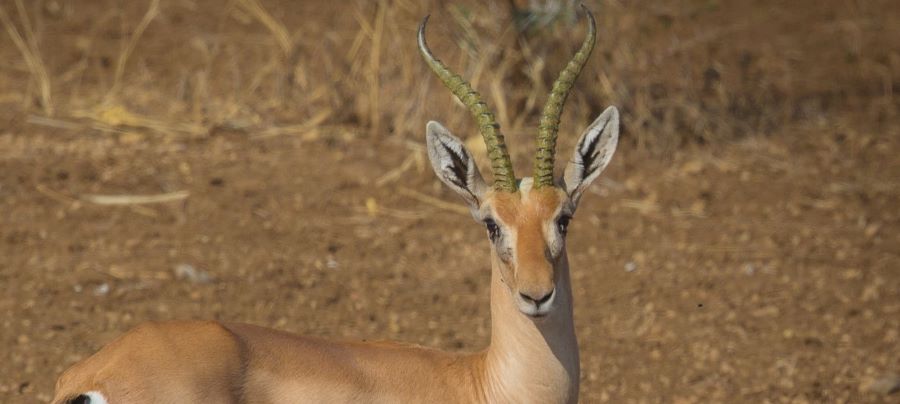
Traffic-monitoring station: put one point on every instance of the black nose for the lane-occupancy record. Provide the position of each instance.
(537, 300)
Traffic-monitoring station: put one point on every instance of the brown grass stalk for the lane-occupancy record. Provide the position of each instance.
(430, 200)
(277, 29)
(373, 72)
(151, 13)
(124, 200)
(30, 52)
(311, 124)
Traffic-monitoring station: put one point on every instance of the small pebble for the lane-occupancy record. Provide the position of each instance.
(630, 266)
(331, 263)
(888, 384)
(101, 289)
(192, 274)
(749, 269)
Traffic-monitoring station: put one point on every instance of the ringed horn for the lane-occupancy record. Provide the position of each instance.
(504, 178)
(549, 126)
(501, 164)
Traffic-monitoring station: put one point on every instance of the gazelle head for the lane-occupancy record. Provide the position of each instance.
(526, 220)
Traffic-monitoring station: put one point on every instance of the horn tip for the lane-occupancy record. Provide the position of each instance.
(589, 14)
(423, 23)
(423, 46)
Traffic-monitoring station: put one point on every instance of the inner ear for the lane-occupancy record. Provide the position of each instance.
(454, 165)
(459, 166)
(592, 153)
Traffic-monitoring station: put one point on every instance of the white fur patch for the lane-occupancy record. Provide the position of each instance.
(96, 398)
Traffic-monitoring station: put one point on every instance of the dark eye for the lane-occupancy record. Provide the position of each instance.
(562, 224)
(493, 229)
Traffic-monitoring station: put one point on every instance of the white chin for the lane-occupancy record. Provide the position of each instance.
(531, 311)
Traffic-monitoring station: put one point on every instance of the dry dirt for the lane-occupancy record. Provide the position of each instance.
(764, 268)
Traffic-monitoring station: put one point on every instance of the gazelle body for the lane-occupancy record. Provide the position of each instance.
(533, 352)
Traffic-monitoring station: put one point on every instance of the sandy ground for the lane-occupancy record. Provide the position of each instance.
(765, 270)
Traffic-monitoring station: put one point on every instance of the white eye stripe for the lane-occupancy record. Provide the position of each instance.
(505, 248)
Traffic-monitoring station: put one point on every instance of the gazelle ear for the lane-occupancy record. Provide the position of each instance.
(454, 165)
(592, 154)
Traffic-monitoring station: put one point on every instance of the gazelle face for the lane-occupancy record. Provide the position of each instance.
(526, 228)
(527, 231)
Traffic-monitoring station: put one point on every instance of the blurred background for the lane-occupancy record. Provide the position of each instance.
(262, 161)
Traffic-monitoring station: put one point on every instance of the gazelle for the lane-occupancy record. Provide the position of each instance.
(533, 352)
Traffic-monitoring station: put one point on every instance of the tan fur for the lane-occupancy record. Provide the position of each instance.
(529, 360)
(191, 359)
(527, 215)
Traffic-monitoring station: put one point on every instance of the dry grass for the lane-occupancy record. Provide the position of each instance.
(278, 30)
(682, 73)
(28, 48)
(120, 200)
(151, 13)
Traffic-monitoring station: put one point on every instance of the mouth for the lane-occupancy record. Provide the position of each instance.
(534, 312)
(536, 309)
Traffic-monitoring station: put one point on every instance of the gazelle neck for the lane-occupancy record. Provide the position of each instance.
(531, 360)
